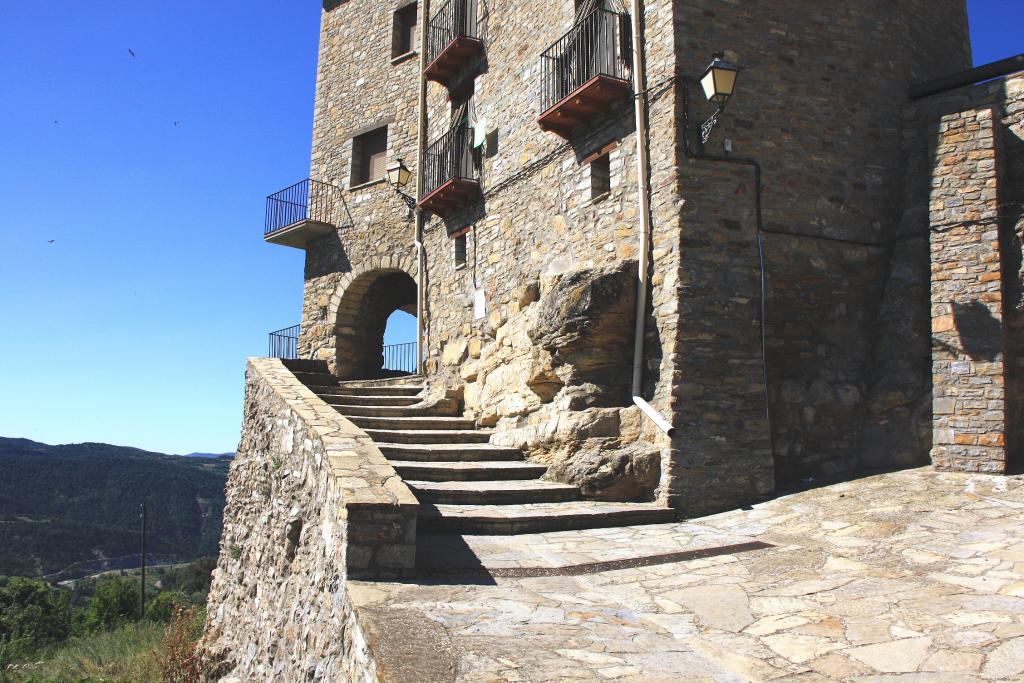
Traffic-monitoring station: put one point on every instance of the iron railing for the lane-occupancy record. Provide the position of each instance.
(449, 157)
(285, 343)
(598, 45)
(456, 18)
(309, 200)
(400, 357)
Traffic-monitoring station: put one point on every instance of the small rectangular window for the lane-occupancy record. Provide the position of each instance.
(459, 251)
(403, 34)
(600, 177)
(369, 156)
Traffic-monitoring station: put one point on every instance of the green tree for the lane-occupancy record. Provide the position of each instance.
(32, 615)
(114, 603)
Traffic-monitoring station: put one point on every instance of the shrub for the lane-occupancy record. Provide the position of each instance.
(32, 615)
(179, 660)
(115, 603)
(162, 607)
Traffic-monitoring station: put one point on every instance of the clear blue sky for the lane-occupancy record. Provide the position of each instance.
(132, 327)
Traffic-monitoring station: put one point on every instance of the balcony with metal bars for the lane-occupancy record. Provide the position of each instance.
(302, 212)
(453, 42)
(585, 72)
(450, 177)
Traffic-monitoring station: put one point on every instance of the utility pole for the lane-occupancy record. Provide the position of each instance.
(142, 586)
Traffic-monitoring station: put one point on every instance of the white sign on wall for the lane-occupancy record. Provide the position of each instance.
(479, 304)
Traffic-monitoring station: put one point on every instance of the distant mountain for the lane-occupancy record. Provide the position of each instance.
(209, 455)
(80, 503)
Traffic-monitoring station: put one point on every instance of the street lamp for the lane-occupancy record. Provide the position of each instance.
(719, 82)
(398, 175)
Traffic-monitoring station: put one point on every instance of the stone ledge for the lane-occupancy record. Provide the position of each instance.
(377, 507)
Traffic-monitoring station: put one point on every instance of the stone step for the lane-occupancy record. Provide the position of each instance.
(419, 423)
(493, 492)
(537, 517)
(317, 378)
(379, 411)
(428, 436)
(448, 452)
(383, 382)
(338, 400)
(400, 390)
(467, 470)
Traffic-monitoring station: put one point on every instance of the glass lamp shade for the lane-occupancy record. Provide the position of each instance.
(398, 174)
(719, 81)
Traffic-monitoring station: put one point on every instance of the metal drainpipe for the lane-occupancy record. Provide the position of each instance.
(421, 148)
(643, 198)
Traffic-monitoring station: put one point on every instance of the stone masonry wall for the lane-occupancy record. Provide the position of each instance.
(965, 164)
(310, 503)
(829, 151)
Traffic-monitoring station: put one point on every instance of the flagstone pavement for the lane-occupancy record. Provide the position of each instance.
(908, 576)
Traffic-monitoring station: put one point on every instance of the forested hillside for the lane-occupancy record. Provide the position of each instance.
(61, 505)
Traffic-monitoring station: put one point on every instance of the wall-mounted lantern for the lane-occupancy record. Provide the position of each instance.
(719, 82)
(398, 175)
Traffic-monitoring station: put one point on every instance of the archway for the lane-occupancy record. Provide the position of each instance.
(363, 312)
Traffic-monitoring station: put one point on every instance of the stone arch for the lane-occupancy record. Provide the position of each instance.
(364, 299)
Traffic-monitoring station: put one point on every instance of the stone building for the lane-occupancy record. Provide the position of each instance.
(831, 281)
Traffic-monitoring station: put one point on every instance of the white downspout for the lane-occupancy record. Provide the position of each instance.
(421, 147)
(643, 198)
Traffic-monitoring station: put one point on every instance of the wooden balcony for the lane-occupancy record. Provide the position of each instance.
(459, 54)
(301, 213)
(451, 196)
(575, 110)
(450, 178)
(585, 72)
(453, 43)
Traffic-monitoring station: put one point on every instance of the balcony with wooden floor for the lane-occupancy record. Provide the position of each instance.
(453, 43)
(450, 178)
(302, 212)
(585, 73)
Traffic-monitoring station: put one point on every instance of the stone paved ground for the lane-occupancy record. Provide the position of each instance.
(908, 576)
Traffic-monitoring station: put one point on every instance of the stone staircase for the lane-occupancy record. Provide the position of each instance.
(464, 483)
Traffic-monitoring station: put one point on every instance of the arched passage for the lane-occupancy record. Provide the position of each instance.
(363, 312)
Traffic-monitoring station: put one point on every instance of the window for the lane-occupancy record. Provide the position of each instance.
(459, 251)
(600, 177)
(369, 154)
(403, 33)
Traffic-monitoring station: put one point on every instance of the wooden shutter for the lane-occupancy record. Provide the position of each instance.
(376, 152)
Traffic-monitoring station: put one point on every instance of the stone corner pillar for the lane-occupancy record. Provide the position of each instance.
(969, 411)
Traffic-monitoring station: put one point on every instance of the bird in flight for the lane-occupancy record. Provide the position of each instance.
(131, 52)
(177, 123)
(50, 241)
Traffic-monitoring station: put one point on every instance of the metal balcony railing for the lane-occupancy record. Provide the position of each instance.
(309, 200)
(599, 45)
(455, 19)
(285, 343)
(449, 157)
(400, 357)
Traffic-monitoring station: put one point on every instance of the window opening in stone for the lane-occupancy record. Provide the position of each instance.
(459, 251)
(600, 177)
(403, 34)
(369, 156)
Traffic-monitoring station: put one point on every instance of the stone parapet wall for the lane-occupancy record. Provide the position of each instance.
(311, 502)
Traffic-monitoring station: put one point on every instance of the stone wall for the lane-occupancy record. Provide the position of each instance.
(965, 167)
(828, 146)
(310, 502)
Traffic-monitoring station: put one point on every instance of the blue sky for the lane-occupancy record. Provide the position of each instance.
(148, 173)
